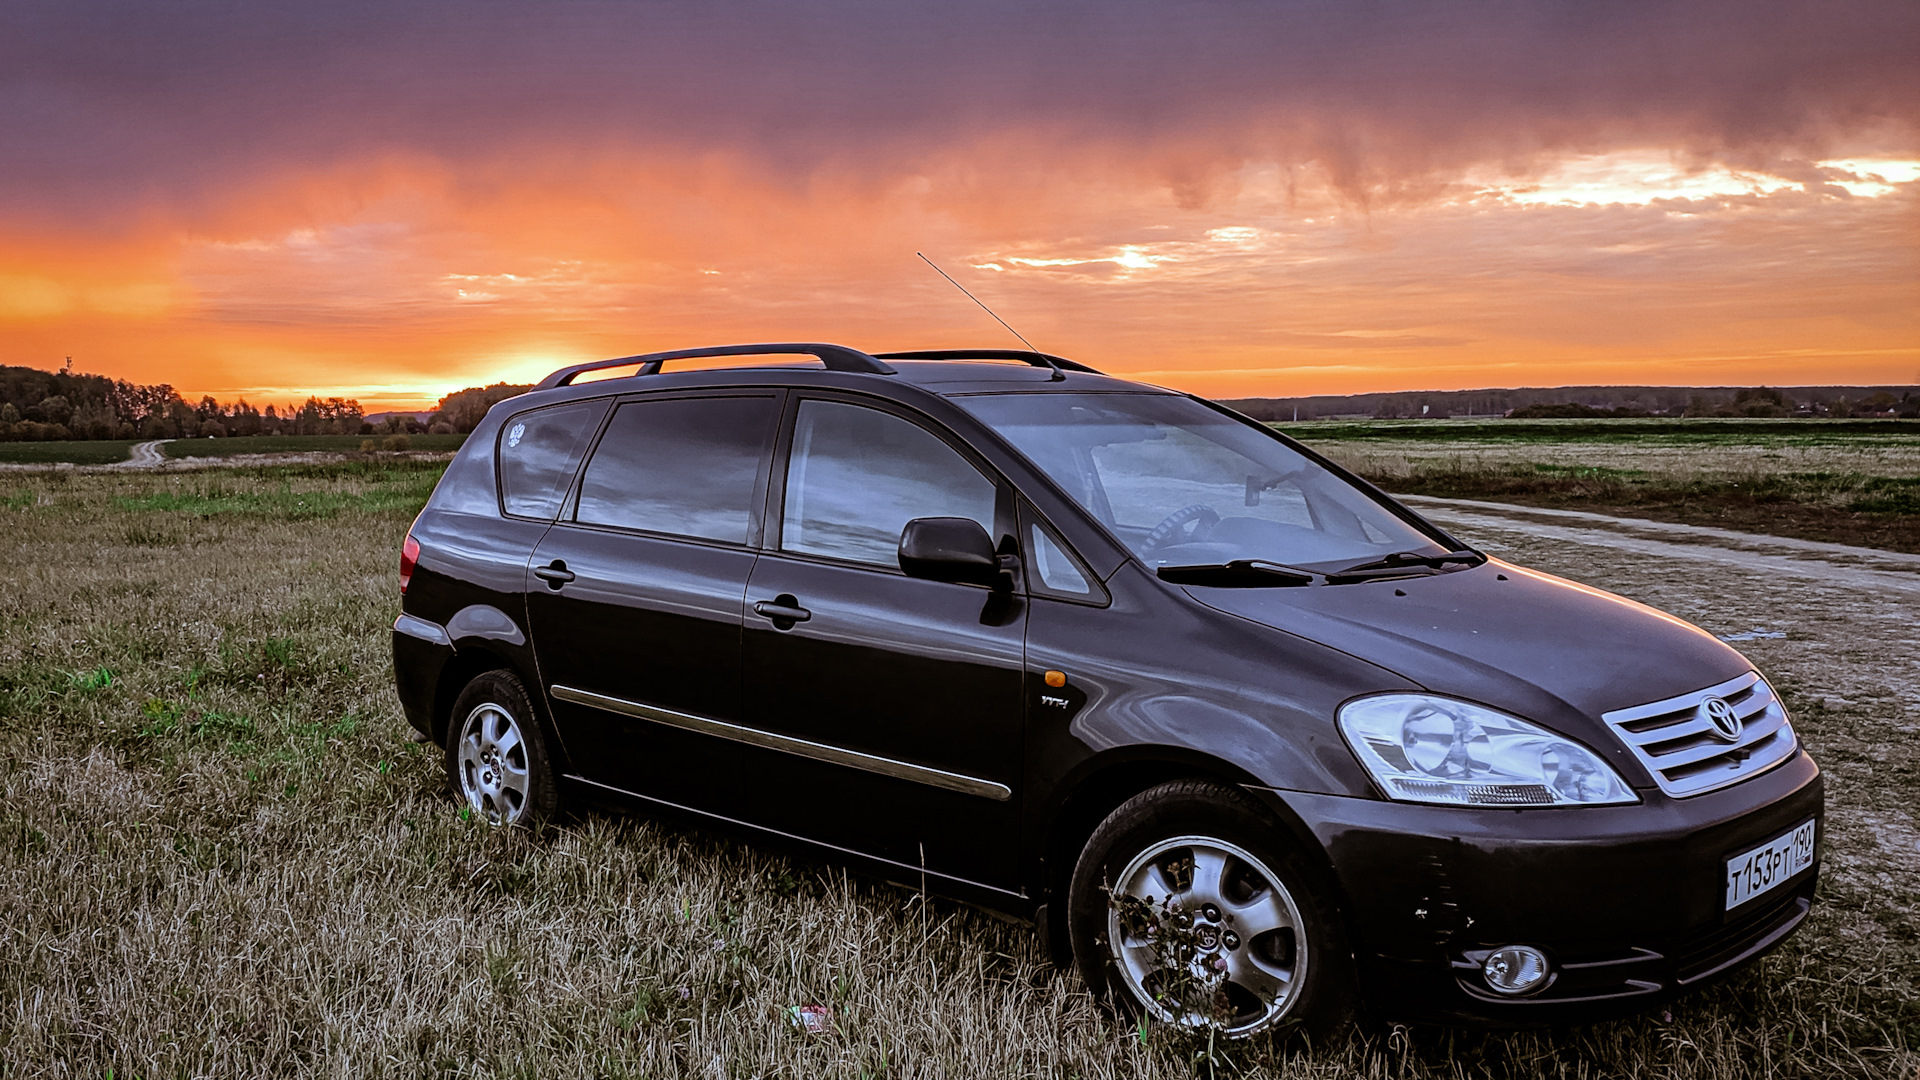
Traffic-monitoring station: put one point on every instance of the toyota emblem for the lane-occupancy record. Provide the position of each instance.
(1720, 716)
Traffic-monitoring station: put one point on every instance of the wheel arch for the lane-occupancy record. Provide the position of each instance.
(1101, 784)
(472, 658)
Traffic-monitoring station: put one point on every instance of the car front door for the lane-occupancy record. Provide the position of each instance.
(893, 704)
(636, 606)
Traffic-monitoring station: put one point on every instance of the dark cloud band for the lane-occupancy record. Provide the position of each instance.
(123, 104)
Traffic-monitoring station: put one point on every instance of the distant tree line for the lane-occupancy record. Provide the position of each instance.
(45, 405)
(1598, 401)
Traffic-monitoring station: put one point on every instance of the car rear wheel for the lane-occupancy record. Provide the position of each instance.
(1189, 904)
(496, 754)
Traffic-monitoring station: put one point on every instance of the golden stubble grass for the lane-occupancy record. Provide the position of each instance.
(221, 854)
(1672, 461)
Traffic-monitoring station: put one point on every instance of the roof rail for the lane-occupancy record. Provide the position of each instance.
(1060, 364)
(835, 357)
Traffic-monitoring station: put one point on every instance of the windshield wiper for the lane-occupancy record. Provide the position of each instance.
(1238, 574)
(1400, 562)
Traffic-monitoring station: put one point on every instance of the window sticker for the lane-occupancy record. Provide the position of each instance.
(538, 455)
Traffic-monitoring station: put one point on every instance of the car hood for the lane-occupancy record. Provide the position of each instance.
(1540, 647)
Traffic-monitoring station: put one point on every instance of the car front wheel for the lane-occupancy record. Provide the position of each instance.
(1189, 904)
(496, 755)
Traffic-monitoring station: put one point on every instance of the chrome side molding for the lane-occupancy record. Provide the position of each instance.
(787, 744)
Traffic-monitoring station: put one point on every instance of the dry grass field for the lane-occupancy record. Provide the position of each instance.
(1850, 482)
(222, 855)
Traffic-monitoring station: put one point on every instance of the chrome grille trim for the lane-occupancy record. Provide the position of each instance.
(1684, 753)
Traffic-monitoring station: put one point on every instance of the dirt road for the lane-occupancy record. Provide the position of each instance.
(144, 455)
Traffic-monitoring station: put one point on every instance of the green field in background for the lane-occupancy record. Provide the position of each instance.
(1711, 430)
(297, 444)
(75, 451)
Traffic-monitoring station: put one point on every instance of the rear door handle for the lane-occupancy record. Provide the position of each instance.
(555, 574)
(784, 610)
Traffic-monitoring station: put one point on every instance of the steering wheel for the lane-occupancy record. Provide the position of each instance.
(1199, 515)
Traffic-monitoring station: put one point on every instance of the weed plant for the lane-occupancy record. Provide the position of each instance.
(223, 854)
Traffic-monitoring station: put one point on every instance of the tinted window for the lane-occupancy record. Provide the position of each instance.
(858, 475)
(538, 453)
(684, 466)
(1181, 483)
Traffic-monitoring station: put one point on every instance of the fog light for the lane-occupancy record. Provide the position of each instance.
(1515, 970)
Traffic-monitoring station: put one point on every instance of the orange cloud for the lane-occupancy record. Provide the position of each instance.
(1277, 199)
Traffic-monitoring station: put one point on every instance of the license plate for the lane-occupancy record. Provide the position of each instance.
(1752, 873)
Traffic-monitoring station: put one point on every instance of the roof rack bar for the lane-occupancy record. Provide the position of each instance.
(1060, 364)
(835, 357)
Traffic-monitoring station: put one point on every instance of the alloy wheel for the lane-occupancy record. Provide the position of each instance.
(493, 765)
(1206, 934)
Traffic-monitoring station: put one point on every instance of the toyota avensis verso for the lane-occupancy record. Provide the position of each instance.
(1250, 742)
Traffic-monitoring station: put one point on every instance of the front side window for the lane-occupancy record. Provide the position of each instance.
(679, 466)
(1056, 569)
(539, 451)
(858, 475)
(1182, 484)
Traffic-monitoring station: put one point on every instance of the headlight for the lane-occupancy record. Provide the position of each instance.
(1437, 750)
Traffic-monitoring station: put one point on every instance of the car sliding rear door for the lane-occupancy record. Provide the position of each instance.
(637, 598)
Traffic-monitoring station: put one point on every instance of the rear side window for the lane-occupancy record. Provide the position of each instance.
(682, 466)
(858, 475)
(539, 452)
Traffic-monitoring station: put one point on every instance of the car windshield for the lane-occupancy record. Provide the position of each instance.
(1183, 485)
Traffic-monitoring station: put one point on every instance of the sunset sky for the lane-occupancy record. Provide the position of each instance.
(390, 201)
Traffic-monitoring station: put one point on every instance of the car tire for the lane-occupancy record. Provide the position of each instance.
(1176, 876)
(496, 753)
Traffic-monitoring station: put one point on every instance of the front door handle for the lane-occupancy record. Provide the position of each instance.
(554, 574)
(784, 610)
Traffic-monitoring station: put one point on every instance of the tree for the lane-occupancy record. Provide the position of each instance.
(133, 403)
(94, 420)
(1760, 401)
(51, 410)
(464, 409)
(246, 418)
(183, 419)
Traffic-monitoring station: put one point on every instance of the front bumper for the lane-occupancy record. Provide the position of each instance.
(1626, 901)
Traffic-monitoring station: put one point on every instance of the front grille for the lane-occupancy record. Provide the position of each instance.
(1687, 756)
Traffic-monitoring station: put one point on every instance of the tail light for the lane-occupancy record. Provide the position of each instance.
(409, 558)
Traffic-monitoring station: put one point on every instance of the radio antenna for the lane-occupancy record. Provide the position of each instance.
(975, 299)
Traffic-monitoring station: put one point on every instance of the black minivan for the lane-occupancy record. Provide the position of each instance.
(1251, 742)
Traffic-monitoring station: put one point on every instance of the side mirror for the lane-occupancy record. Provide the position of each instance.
(948, 549)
